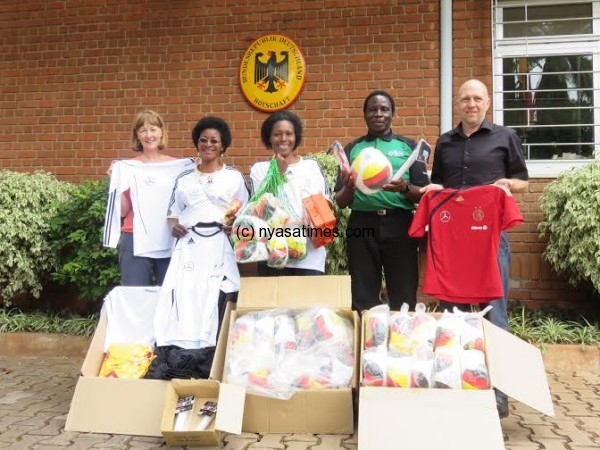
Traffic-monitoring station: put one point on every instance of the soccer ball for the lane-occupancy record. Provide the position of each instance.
(373, 170)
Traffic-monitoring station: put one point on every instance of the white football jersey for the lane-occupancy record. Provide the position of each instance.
(199, 197)
(150, 185)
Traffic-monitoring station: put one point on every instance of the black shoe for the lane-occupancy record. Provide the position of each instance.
(502, 404)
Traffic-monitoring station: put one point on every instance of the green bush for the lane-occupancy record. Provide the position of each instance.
(571, 209)
(27, 203)
(77, 238)
(336, 262)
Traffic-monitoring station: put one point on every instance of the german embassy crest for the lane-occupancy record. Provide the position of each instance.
(272, 72)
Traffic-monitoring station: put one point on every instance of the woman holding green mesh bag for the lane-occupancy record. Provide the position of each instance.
(283, 182)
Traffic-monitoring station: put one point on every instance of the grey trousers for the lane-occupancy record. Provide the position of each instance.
(139, 270)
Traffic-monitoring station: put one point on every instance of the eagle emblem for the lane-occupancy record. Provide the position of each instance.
(272, 75)
(478, 214)
(272, 72)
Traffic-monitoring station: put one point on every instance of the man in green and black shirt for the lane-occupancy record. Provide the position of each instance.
(388, 213)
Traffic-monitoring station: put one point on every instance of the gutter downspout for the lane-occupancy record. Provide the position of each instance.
(446, 75)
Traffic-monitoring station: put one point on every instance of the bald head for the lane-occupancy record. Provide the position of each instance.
(473, 85)
(472, 102)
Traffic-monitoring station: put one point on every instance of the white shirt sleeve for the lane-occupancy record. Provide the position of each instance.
(119, 183)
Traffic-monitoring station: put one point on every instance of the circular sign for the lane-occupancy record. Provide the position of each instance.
(272, 72)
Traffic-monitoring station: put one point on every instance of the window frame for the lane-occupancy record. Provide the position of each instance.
(545, 46)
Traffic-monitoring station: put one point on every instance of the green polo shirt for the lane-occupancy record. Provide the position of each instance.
(397, 149)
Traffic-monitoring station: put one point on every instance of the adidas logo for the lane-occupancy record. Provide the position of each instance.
(191, 241)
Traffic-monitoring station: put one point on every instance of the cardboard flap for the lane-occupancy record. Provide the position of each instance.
(95, 354)
(274, 292)
(117, 406)
(218, 364)
(393, 418)
(230, 415)
(517, 369)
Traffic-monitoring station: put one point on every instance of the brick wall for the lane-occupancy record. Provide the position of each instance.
(74, 74)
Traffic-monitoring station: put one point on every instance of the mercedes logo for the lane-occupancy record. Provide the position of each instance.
(445, 216)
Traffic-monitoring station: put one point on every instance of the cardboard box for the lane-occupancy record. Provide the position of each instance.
(116, 405)
(390, 418)
(203, 390)
(325, 411)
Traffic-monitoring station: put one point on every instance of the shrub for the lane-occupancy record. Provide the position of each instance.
(27, 203)
(571, 209)
(14, 321)
(77, 238)
(336, 262)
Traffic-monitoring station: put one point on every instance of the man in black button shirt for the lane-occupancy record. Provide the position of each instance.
(475, 153)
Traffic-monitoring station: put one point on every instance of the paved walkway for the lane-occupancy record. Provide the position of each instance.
(35, 393)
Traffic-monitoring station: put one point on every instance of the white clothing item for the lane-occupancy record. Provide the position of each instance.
(199, 197)
(304, 178)
(130, 315)
(150, 186)
(187, 311)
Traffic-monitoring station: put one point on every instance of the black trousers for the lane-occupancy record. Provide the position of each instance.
(379, 244)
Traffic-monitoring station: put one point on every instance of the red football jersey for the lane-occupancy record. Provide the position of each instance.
(464, 229)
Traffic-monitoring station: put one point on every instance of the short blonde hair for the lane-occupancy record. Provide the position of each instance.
(152, 118)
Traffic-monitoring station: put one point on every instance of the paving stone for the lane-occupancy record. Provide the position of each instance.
(240, 442)
(590, 424)
(580, 409)
(142, 443)
(269, 441)
(352, 439)
(523, 446)
(13, 398)
(299, 445)
(330, 442)
(517, 435)
(564, 427)
(115, 441)
(14, 432)
(544, 432)
(552, 444)
(584, 438)
(301, 438)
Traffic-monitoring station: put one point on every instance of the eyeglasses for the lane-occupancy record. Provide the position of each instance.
(206, 141)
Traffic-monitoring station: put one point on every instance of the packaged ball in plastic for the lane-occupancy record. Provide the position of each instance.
(373, 170)
(296, 246)
(278, 252)
(474, 374)
(374, 367)
(377, 326)
(398, 370)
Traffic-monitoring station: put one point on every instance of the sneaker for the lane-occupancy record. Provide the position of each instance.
(502, 404)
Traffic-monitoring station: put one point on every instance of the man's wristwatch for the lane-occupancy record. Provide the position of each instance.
(407, 188)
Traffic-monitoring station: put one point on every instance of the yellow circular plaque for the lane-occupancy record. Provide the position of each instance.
(272, 72)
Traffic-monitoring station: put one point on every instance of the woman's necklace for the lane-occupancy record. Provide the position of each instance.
(207, 177)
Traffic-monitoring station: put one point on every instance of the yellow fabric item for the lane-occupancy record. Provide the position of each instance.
(126, 361)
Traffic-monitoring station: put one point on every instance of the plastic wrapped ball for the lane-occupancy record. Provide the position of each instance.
(373, 170)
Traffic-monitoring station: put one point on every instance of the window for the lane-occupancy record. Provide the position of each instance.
(547, 79)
